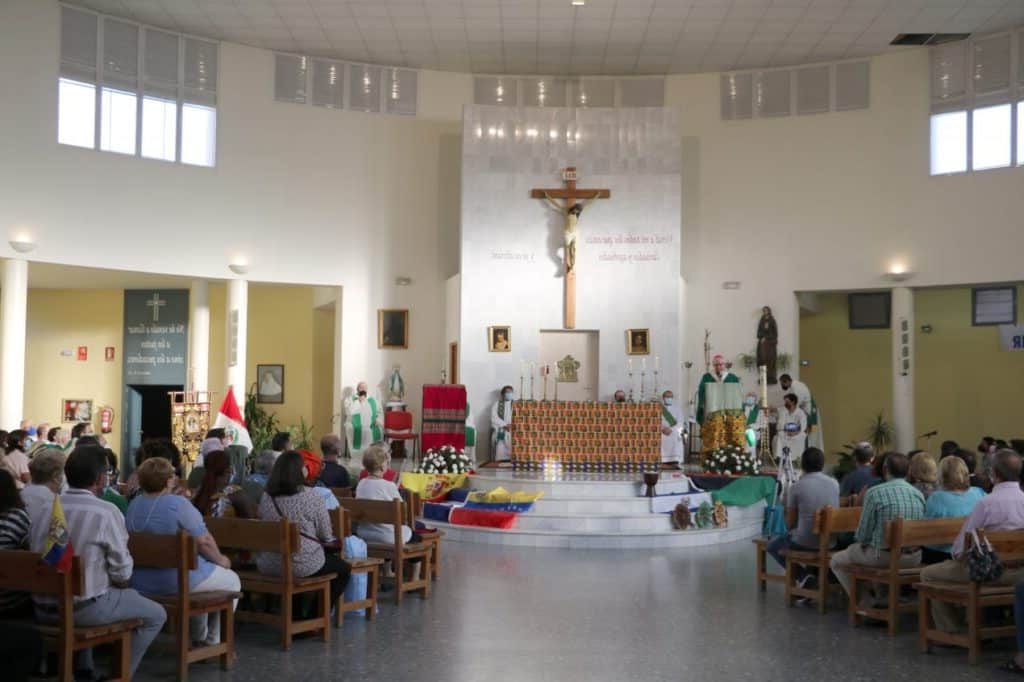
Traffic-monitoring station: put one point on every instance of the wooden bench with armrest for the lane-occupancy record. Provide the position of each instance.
(280, 537)
(827, 521)
(151, 550)
(26, 572)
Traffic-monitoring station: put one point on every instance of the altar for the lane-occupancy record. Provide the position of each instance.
(586, 436)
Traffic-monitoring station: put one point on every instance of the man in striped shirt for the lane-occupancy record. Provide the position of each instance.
(100, 539)
(893, 499)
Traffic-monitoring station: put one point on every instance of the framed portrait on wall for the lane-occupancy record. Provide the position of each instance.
(392, 328)
(270, 384)
(75, 411)
(638, 341)
(499, 339)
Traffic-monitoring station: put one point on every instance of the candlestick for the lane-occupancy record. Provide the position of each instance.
(630, 381)
(643, 376)
(657, 363)
(556, 389)
(531, 385)
(655, 381)
(629, 363)
(643, 364)
(764, 385)
(545, 375)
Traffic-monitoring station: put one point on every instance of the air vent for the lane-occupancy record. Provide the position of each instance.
(928, 38)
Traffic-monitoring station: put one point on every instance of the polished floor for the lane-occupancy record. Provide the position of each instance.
(509, 613)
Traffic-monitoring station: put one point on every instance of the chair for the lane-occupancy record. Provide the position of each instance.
(369, 566)
(827, 521)
(400, 554)
(398, 426)
(899, 534)
(280, 537)
(414, 509)
(974, 597)
(26, 572)
(763, 577)
(151, 550)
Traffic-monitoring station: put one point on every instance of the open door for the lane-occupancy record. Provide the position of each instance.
(147, 414)
(131, 438)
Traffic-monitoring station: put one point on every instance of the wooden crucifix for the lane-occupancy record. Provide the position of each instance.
(574, 201)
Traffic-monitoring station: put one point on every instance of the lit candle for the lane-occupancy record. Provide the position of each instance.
(764, 385)
(657, 363)
(630, 363)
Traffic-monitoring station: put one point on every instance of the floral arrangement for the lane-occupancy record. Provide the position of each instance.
(732, 460)
(445, 460)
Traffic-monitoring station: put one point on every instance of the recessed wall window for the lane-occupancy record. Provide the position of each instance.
(117, 121)
(159, 128)
(1020, 133)
(949, 142)
(991, 137)
(993, 305)
(198, 135)
(76, 123)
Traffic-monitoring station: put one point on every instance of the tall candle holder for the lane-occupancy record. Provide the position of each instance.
(444, 377)
(643, 377)
(655, 384)
(544, 373)
(556, 389)
(521, 395)
(630, 373)
(531, 386)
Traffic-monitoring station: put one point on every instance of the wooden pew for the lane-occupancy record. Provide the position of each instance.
(150, 550)
(827, 521)
(899, 534)
(26, 572)
(414, 509)
(400, 554)
(369, 566)
(280, 537)
(974, 597)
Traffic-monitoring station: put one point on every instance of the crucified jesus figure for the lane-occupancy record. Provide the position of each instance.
(570, 232)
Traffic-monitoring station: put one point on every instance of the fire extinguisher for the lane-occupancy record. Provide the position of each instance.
(106, 419)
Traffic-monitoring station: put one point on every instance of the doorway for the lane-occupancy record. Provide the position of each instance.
(572, 347)
(147, 414)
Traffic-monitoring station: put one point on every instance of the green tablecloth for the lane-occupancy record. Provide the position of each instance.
(745, 491)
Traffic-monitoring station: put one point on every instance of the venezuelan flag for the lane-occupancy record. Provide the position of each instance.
(58, 551)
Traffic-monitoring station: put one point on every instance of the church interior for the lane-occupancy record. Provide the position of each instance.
(558, 339)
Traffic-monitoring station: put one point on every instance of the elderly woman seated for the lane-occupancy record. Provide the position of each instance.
(158, 510)
(256, 483)
(216, 495)
(955, 498)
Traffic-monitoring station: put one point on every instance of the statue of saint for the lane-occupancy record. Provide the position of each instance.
(767, 343)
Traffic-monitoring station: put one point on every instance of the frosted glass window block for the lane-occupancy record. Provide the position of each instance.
(364, 88)
(76, 113)
(120, 51)
(813, 90)
(853, 85)
(949, 143)
(949, 71)
(117, 121)
(991, 137)
(543, 92)
(991, 64)
(328, 83)
(1020, 133)
(290, 75)
(737, 91)
(160, 63)
(642, 92)
(78, 36)
(400, 93)
(771, 93)
(593, 93)
(491, 90)
(200, 65)
(198, 135)
(159, 128)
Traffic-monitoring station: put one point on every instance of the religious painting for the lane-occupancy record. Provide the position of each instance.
(392, 328)
(270, 384)
(499, 339)
(638, 341)
(76, 411)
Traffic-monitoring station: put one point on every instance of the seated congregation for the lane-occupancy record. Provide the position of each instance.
(902, 534)
(290, 544)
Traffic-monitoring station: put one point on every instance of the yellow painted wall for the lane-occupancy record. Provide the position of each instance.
(323, 370)
(965, 386)
(850, 371)
(63, 320)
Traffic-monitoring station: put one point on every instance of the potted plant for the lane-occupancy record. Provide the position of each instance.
(880, 433)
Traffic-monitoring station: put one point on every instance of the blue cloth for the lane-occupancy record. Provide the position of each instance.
(950, 504)
(165, 515)
(355, 548)
(260, 479)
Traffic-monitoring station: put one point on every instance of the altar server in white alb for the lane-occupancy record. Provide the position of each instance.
(501, 426)
(671, 430)
(791, 440)
(364, 420)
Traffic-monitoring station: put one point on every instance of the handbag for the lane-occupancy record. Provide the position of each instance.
(330, 547)
(983, 564)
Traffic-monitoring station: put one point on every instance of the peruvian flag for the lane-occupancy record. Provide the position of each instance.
(231, 420)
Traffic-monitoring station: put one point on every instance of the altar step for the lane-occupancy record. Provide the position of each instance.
(625, 506)
(599, 523)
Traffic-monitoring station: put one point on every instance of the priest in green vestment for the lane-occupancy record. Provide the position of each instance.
(671, 430)
(720, 412)
(364, 421)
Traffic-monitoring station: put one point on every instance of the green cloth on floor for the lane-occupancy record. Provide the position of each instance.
(745, 491)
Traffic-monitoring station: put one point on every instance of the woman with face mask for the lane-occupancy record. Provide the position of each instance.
(501, 426)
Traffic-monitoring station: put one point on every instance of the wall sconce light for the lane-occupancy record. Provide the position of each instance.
(22, 245)
(805, 363)
(927, 329)
(403, 281)
(238, 268)
(898, 272)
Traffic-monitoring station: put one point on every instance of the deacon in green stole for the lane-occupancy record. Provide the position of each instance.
(363, 420)
(671, 430)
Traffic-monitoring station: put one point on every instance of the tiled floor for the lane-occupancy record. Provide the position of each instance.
(531, 615)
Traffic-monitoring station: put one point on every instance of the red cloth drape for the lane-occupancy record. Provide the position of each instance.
(486, 519)
(444, 416)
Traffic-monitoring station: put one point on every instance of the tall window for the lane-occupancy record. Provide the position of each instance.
(133, 90)
(949, 142)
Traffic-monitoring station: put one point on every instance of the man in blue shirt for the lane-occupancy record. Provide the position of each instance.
(856, 480)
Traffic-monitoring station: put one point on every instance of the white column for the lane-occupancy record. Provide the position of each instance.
(13, 310)
(339, 418)
(237, 324)
(903, 368)
(199, 335)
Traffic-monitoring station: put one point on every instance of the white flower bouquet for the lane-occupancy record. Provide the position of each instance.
(732, 460)
(445, 460)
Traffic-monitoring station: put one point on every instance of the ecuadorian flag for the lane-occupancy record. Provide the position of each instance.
(58, 551)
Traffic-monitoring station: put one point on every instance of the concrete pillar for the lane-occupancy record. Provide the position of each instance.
(903, 368)
(337, 426)
(237, 325)
(199, 335)
(13, 311)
